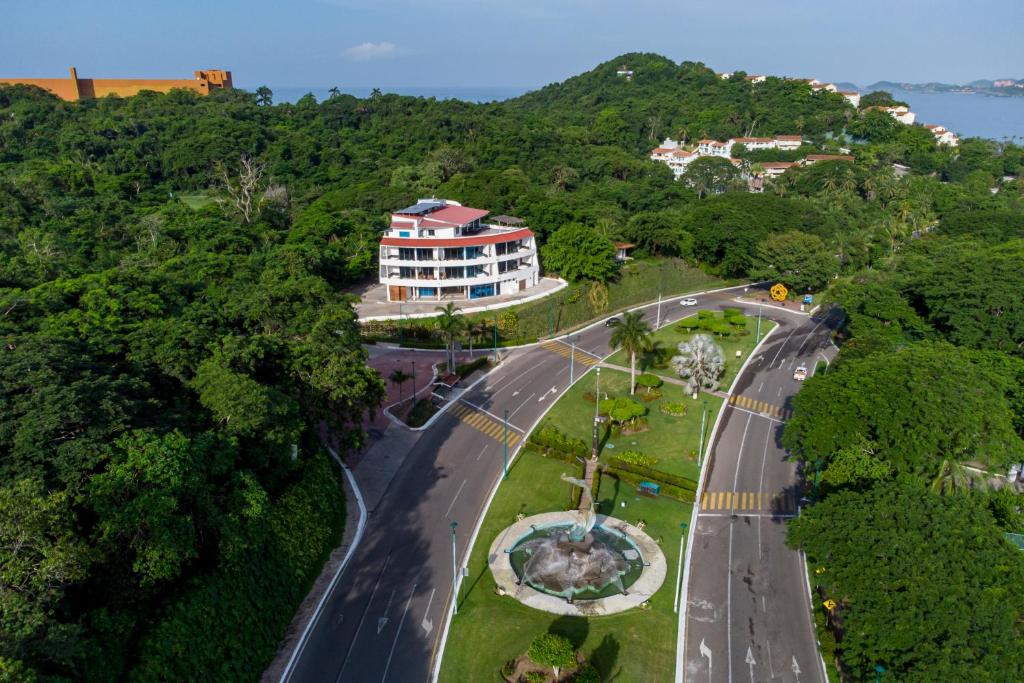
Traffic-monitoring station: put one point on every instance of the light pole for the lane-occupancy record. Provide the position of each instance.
(703, 419)
(455, 574)
(657, 325)
(572, 359)
(413, 363)
(879, 670)
(551, 318)
(759, 308)
(597, 415)
(495, 340)
(505, 466)
(679, 565)
(401, 324)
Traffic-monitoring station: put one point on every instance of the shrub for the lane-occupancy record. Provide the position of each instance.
(674, 408)
(705, 315)
(676, 492)
(654, 475)
(730, 312)
(622, 409)
(552, 650)
(587, 673)
(720, 327)
(636, 458)
(534, 677)
(649, 380)
(466, 369)
(508, 668)
(688, 324)
(650, 395)
(737, 320)
(548, 438)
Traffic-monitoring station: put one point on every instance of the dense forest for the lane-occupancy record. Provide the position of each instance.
(175, 337)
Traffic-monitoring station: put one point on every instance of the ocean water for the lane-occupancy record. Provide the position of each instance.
(968, 115)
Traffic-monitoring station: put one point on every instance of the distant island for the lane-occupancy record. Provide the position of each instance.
(1003, 87)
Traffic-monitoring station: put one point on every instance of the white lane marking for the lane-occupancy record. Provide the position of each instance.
(808, 336)
(484, 450)
(782, 346)
(750, 662)
(452, 504)
(751, 412)
(760, 387)
(484, 410)
(771, 667)
(398, 632)
(739, 515)
(564, 368)
(552, 392)
(764, 606)
(760, 490)
(382, 622)
(366, 609)
(427, 625)
(512, 414)
(728, 585)
(779, 392)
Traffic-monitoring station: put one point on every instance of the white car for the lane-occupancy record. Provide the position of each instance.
(688, 302)
(800, 374)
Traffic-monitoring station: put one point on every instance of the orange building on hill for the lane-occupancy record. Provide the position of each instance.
(75, 88)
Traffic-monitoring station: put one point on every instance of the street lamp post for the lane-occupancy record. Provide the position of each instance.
(572, 359)
(401, 324)
(657, 325)
(679, 565)
(597, 417)
(413, 381)
(495, 340)
(760, 307)
(700, 448)
(551, 317)
(505, 466)
(879, 670)
(455, 574)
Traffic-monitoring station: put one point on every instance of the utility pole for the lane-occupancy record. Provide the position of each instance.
(700, 449)
(455, 574)
(572, 359)
(505, 465)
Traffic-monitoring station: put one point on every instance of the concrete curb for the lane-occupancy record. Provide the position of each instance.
(562, 284)
(777, 308)
(290, 666)
(387, 409)
(701, 481)
(439, 653)
(810, 605)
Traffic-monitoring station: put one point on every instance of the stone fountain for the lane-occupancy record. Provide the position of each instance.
(577, 562)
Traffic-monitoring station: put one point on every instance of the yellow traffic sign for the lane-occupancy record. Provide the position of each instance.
(779, 291)
(829, 604)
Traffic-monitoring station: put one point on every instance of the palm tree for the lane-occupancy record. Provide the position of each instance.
(450, 324)
(476, 329)
(700, 362)
(632, 334)
(334, 92)
(953, 478)
(399, 377)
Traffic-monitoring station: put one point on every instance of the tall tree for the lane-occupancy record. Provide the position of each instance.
(700, 362)
(632, 334)
(450, 324)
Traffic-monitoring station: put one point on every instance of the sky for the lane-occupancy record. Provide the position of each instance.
(508, 43)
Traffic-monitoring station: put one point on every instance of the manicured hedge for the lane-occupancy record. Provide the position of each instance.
(465, 369)
(654, 475)
(676, 492)
(548, 438)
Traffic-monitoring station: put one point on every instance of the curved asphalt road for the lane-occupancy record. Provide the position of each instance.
(748, 612)
(383, 619)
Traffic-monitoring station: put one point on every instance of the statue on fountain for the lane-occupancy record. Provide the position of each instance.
(584, 518)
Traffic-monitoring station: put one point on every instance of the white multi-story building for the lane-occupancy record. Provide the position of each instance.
(754, 143)
(664, 153)
(438, 249)
(898, 112)
(852, 96)
(943, 136)
(788, 143)
(714, 148)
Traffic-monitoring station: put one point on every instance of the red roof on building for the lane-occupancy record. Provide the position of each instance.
(450, 216)
(778, 164)
(829, 157)
(746, 140)
(468, 241)
(681, 153)
(662, 150)
(790, 138)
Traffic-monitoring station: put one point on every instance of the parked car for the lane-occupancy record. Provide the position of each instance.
(614, 320)
(800, 374)
(688, 302)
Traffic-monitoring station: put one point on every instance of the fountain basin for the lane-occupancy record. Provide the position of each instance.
(614, 568)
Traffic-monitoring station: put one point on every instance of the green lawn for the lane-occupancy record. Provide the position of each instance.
(668, 338)
(637, 645)
(196, 201)
(673, 440)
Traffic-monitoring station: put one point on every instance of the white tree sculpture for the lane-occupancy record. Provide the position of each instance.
(700, 362)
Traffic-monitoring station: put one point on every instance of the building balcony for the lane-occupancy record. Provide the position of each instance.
(442, 262)
(482, 278)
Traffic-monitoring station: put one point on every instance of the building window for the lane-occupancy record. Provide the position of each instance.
(403, 233)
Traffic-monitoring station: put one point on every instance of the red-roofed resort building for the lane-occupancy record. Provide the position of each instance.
(438, 250)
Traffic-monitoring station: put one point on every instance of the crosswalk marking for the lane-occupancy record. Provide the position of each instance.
(566, 351)
(757, 406)
(748, 501)
(481, 422)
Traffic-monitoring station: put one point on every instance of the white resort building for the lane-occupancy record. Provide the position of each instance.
(438, 249)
